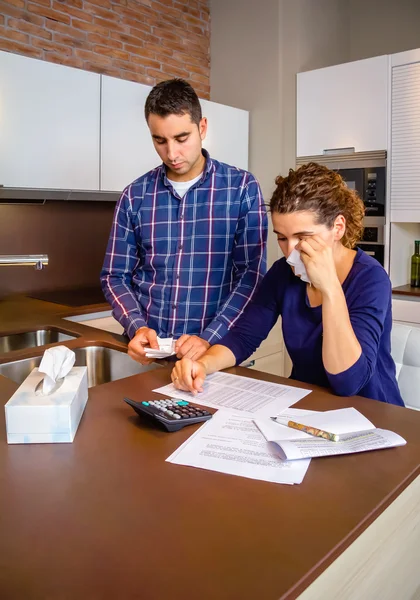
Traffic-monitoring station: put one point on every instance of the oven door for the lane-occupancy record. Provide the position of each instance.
(355, 180)
(377, 251)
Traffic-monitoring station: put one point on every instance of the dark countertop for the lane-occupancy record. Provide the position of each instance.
(107, 517)
(406, 290)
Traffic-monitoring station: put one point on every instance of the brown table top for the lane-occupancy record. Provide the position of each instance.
(406, 290)
(107, 517)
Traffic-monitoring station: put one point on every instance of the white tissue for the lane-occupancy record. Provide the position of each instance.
(295, 261)
(56, 363)
(166, 348)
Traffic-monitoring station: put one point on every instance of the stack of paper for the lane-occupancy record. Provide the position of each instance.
(230, 443)
(166, 348)
(356, 434)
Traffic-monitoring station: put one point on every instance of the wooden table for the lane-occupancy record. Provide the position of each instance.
(107, 518)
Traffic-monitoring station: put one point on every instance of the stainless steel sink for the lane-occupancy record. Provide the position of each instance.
(31, 339)
(103, 365)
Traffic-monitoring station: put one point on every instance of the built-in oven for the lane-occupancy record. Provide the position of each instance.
(364, 172)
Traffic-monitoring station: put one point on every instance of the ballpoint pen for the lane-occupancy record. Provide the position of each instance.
(332, 437)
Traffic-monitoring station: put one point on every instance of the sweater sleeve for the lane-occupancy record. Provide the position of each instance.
(259, 317)
(368, 310)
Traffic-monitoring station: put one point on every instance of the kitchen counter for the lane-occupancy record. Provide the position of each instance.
(406, 290)
(107, 517)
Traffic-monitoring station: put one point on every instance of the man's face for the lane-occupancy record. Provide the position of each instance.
(178, 142)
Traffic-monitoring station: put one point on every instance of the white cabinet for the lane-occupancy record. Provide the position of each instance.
(127, 150)
(344, 106)
(49, 125)
(227, 133)
(405, 137)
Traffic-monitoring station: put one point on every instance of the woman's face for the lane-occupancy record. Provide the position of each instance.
(292, 227)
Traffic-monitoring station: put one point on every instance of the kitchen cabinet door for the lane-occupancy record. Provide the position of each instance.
(344, 106)
(49, 125)
(405, 138)
(127, 151)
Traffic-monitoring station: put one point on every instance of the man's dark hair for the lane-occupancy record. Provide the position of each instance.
(173, 97)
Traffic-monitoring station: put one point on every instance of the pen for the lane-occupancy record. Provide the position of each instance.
(332, 437)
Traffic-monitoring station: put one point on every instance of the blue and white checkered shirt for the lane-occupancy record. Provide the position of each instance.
(186, 265)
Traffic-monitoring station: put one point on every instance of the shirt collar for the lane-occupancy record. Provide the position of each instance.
(208, 168)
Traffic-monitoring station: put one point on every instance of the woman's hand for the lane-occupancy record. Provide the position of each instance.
(318, 259)
(189, 375)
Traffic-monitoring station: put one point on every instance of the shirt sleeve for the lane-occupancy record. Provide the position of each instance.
(259, 317)
(368, 312)
(249, 262)
(117, 271)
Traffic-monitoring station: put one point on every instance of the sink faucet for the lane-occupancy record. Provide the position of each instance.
(38, 261)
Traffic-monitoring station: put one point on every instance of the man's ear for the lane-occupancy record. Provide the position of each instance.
(202, 128)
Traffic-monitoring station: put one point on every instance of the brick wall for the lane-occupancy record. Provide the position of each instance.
(140, 40)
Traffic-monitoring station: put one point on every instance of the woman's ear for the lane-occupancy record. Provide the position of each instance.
(339, 227)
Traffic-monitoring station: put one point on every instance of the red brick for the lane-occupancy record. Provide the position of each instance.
(1, 19)
(200, 78)
(102, 3)
(69, 41)
(69, 61)
(158, 49)
(139, 51)
(112, 52)
(70, 31)
(17, 48)
(92, 57)
(73, 3)
(17, 3)
(175, 46)
(193, 11)
(43, 2)
(97, 67)
(104, 41)
(147, 62)
(49, 13)
(71, 11)
(129, 15)
(34, 19)
(51, 46)
(26, 27)
(140, 30)
(204, 70)
(127, 39)
(8, 10)
(124, 64)
(90, 27)
(109, 24)
(105, 13)
(191, 58)
(16, 36)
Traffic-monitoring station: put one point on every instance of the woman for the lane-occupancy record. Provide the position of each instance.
(337, 328)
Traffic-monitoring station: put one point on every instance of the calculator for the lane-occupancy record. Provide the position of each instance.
(172, 414)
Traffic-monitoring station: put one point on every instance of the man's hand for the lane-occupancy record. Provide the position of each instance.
(144, 338)
(191, 346)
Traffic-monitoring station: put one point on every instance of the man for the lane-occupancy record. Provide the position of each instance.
(187, 245)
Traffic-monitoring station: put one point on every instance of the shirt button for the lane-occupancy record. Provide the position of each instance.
(177, 275)
(181, 247)
(182, 216)
(173, 305)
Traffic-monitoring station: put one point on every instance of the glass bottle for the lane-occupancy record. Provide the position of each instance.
(415, 266)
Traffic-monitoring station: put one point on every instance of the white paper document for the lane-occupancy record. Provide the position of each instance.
(232, 444)
(166, 348)
(241, 395)
(357, 434)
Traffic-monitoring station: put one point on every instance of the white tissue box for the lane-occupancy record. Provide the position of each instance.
(35, 419)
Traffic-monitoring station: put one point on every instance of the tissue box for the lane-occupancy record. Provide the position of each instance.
(33, 418)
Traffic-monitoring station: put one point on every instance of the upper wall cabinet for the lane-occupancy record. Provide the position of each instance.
(405, 137)
(49, 125)
(127, 151)
(343, 106)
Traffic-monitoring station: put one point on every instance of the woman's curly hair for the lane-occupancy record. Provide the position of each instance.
(316, 188)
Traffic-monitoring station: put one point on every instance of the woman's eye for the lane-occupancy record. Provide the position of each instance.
(281, 239)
